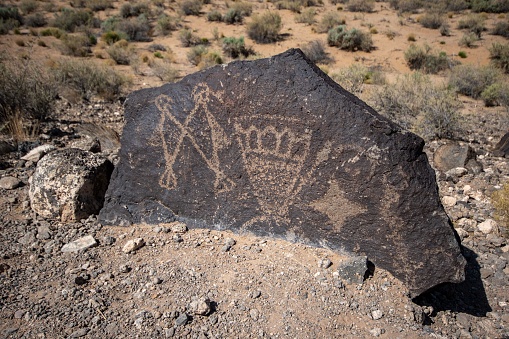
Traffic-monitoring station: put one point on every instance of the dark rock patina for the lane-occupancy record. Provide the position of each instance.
(275, 147)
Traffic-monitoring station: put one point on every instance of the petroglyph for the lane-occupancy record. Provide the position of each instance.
(173, 132)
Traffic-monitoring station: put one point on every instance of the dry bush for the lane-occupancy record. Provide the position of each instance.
(315, 51)
(499, 55)
(424, 59)
(111, 37)
(188, 38)
(474, 23)
(468, 40)
(164, 70)
(128, 10)
(235, 47)
(94, 5)
(191, 7)
(210, 59)
(361, 6)
(35, 20)
(496, 94)
(500, 201)
(265, 28)
(351, 78)
(409, 6)
(52, 31)
(166, 24)
(214, 15)
(89, 79)
(490, 6)
(415, 103)
(27, 92)
(329, 21)
(501, 28)
(69, 20)
(28, 6)
(237, 11)
(132, 29)
(350, 40)
(432, 20)
(195, 54)
(77, 45)
(307, 16)
(121, 52)
(471, 80)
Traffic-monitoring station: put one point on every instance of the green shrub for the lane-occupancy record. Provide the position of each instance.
(500, 201)
(235, 47)
(307, 16)
(315, 51)
(166, 24)
(418, 105)
(490, 6)
(89, 79)
(68, 19)
(129, 10)
(93, 5)
(121, 52)
(462, 54)
(423, 58)
(472, 81)
(468, 40)
(77, 45)
(501, 28)
(51, 31)
(329, 21)
(35, 20)
(499, 55)
(28, 6)
(9, 19)
(350, 40)
(432, 20)
(409, 6)
(188, 38)
(111, 37)
(475, 23)
(191, 7)
(195, 54)
(265, 28)
(135, 29)
(214, 15)
(496, 94)
(237, 12)
(27, 91)
(361, 5)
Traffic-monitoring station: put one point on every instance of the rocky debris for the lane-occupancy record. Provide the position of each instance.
(182, 320)
(488, 226)
(268, 159)
(178, 227)
(88, 144)
(324, 263)
(353, 270)
(10, 183)
(133, 245)
(80, 244)
(501, 149)
(228, 244)
(37, 153)
(200, 306)
(69, 184)
(453, 155)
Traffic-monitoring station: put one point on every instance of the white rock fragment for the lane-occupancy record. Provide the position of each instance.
(37, 153)
(449, 201)
(10, 183)
(377, 314)
(200, 306)
(487, 226)
(133, 245)
(80, 244)
(178, 227)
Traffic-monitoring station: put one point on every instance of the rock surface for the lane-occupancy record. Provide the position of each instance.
(275, 147)
(37, 153)
(69, 184)
(10, 183)
(453, 155)
(80, 244)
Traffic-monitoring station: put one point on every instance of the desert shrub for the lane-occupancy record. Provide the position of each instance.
(350, 40)
(89, 79)
(444, 29)
(431, 20)
(490, 6)
(329, 21)
(27, 92)
(128, 10)
(462, 54)
(418, 105)
(68, 19)
(7, 25)
(52, 31)
(424, 59)
(473, 23)
(351, 78)
(77, 45)
(265, 28)
(195, 54)
(164, 70)
(214, 15)
(472, 81)
(409, 6)
(293, 6)
(28, 6)
(456, 5)
(336, 2)
(468, 40)
(500, 201)
(97, 5)
(496, 94)
(501, 28)
(188, 38)
(307, 16)
(9, 19)
(35, 20)
(157, 47)
(210, 59)
(166, 24)
(235, 47)
(121, 52)
(237, 11)
(499, 55)
(361, 5)
(136, 29)
(191, 7)
(315, 51)
(111, 37)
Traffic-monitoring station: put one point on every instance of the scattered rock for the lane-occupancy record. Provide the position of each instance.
(37, 153)
(10, 183)
(488, 226)
(182, 320)
(69, 184)
(449, 201)
(376, 332)
(377, 314)
(228, 244)
(178, 227)
(452, 155)
(80, 244)
(353, 270)
(200, 306)
(79, 333)
(324, 263)
(133, 245)
(501, 149)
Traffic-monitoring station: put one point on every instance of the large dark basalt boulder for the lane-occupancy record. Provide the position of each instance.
(275, 147)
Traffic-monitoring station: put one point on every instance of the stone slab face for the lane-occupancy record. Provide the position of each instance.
(275, 147)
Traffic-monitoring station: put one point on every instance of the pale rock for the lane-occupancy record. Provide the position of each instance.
(449, 201)
(487, 226)
(10, 183)
(80, 244)
(377, 314)
(200, 306)
(457, 172)
(467, 189)
(178, 227)
(37, 153)
(461, 233)
(133, 245)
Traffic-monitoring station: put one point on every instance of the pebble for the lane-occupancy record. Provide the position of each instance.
(487, 226)
(133, 245)
(200, 306)
(79, 333)
(324, 263)
(80, 244)
(449, 201)
(19, 314)
(37, 153)
(178, 227)
(377, 314)
(181, 320)
(228, 244)
(10, 183)
(376, 332)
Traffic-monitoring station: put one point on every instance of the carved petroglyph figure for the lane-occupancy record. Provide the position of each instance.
(207, 141)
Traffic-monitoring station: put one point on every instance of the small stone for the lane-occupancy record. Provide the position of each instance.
(487, 226)
(254, 314)
(449, 201)
(43, 233)
(228, 244)
(157, 229)
(80, 244)
(200, 306)
(182, 320)
(19, 314)
(376, 332)
(256, 294)
(79, 333)
(108, 240)
(133, 245)
(10, 183)
(457, 172)
(178, 227)
(37, 153)
(353, 270)
(324, 263)
(177, 238)
(377, 314)
(157, 281)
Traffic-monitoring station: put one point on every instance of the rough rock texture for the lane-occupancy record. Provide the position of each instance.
(275, 147)
(69, 184)
(501, 149)
(455, 155)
